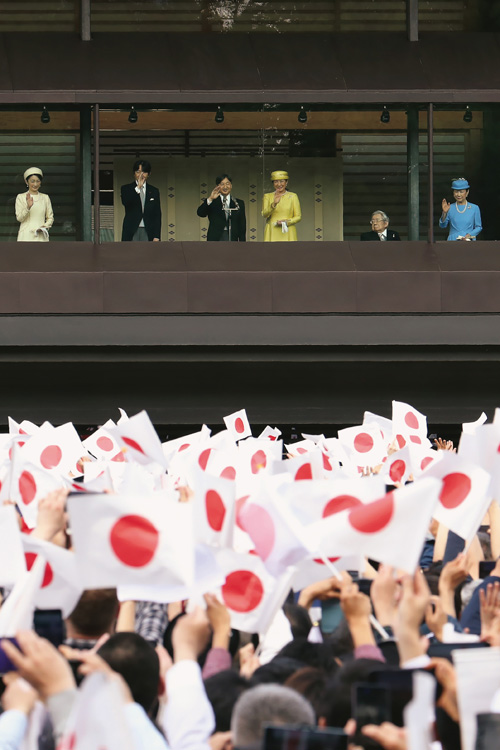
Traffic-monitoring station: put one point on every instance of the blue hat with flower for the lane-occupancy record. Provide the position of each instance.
(460, 184)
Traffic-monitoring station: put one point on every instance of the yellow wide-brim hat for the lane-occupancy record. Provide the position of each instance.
(33, 170)
(279, 175)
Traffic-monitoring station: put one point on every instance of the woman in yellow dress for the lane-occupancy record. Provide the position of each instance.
(34, 209)
(281, 211)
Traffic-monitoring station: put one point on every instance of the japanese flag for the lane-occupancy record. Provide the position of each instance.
(422, 458)
(464, 497)
(256, 459)
(391, 530)
(276, 534)
(314, 500)
(103, 445)
(214, 509)
(26, 485)
(471, 427)
(365, 444)
(120, 539)
(250, 593)
(270, 433)
(55, 449)
(408, 425)
(179, 445)
(140, 439)
(300, 448)
(398, 466)
(12, 563)
(238, 425)
(384, 424)
(97, 718)
(60, 587)
(309, 466)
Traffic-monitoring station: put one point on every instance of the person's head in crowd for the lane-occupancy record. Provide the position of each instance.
(318, 655)
(336, 708)
(340, 642)
(485, 542)
(223, 690)
(267, 704)
(310, 682)
(136, 660)
(94, 615)
(278, 670)
(234, 640)
(432, 574)
(299, 619)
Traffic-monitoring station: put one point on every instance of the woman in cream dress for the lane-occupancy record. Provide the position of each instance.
(281, 211)
(34, 209)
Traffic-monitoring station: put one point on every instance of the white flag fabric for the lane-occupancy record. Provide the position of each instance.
(238, 425)
(391, 530)
(464, 497)
(26, 485)
(214, 509)
(365, 444)
(140, 439)
(251, 594)
(398, 466)
(270, 433)
(12, 563)
(122, 539)
(408, 425)
(60, 587)
(54, 449)
(384, 424)
(102, 444)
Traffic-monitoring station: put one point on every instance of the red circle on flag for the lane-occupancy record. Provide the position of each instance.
(341, 502)
(415, 439)
(183, 447)
(238, 425)
(455, 489)
(216, 510)
(326, 463)
(48, 573)
(243, 591)
(400, 441)
(397, 470)
(51, 456)
(238, 507)
(258, 462)
(119, 458)
(373, 517)
(411, 420)
(304, 472)
(203, 458)
(27, 487)
(104, 443)
(301, 451)
(228, 473)
(363, 442)
(134, 540)
(425, 462)
(133, 444)
(322, 562)
(258, 522)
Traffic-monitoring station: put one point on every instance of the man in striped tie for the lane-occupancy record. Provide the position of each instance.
(380, 231)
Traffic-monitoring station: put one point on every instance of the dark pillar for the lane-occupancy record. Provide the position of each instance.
(412, 20)
(86, 173)
(85, 20)
(413, 175)
(430, 170)
(97, 207)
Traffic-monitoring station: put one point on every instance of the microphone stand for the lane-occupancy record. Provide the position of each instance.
(230, 211)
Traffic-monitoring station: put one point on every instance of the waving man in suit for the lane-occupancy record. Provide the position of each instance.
(142, 221)
(226, 215)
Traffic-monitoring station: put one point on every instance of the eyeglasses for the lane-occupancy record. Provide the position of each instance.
(376, 221)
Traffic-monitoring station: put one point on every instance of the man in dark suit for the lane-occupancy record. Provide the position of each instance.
(380, 232)
(142, 221)
(226, 215)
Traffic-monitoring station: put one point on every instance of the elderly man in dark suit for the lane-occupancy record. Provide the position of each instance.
(142, 221)
(380, 232)
(226, 215)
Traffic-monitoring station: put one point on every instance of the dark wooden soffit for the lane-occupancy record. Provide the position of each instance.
(237, 68)
(215, 278)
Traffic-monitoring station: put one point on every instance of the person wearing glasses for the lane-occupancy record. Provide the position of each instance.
(380, 231)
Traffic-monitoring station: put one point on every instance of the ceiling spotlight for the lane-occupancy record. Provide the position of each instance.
(385, 117)
(302, 118)
(219, 115)
(133, 115)
(468, 114)
(45, 118)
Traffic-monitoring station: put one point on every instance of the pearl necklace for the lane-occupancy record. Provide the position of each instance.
(464, 208)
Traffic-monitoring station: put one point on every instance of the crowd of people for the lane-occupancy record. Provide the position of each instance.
(227, 591)
(226, 213)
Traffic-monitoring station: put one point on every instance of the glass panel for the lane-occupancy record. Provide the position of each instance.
(447, 15)
(51, 15)
(56, 152)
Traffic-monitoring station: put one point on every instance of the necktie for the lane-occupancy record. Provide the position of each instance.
(382, 237)
(142, 193)
(225, 206)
